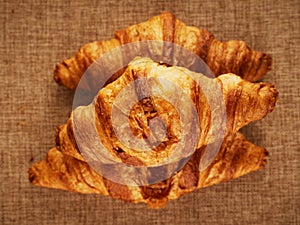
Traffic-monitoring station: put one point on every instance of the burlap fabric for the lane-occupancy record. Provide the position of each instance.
(35, 35)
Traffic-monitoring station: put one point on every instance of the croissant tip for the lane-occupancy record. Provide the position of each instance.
(61, 75)
(168, 13)
(269, 61)
(274, 97)
(56, 75)
(56, 135)
(157, 203)
(31, 175)
(265, 155)
(270, 95)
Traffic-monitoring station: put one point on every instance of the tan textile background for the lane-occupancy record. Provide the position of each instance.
(35, 35)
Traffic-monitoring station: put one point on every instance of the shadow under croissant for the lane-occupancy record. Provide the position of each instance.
(236, 157)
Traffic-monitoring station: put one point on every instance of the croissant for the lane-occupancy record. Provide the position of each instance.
(67, 167)
(221, 57)
(236, 158)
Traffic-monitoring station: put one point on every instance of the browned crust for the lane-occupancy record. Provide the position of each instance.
(259, 98)
(168, 21)
(69, 71)
(240, 59)
(237, 157)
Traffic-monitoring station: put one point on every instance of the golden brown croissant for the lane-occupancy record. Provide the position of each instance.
(236, 157)
(66, 168)
(244, 102)
(221, 57)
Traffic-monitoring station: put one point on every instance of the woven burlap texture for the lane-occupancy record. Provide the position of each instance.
(35, 35)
